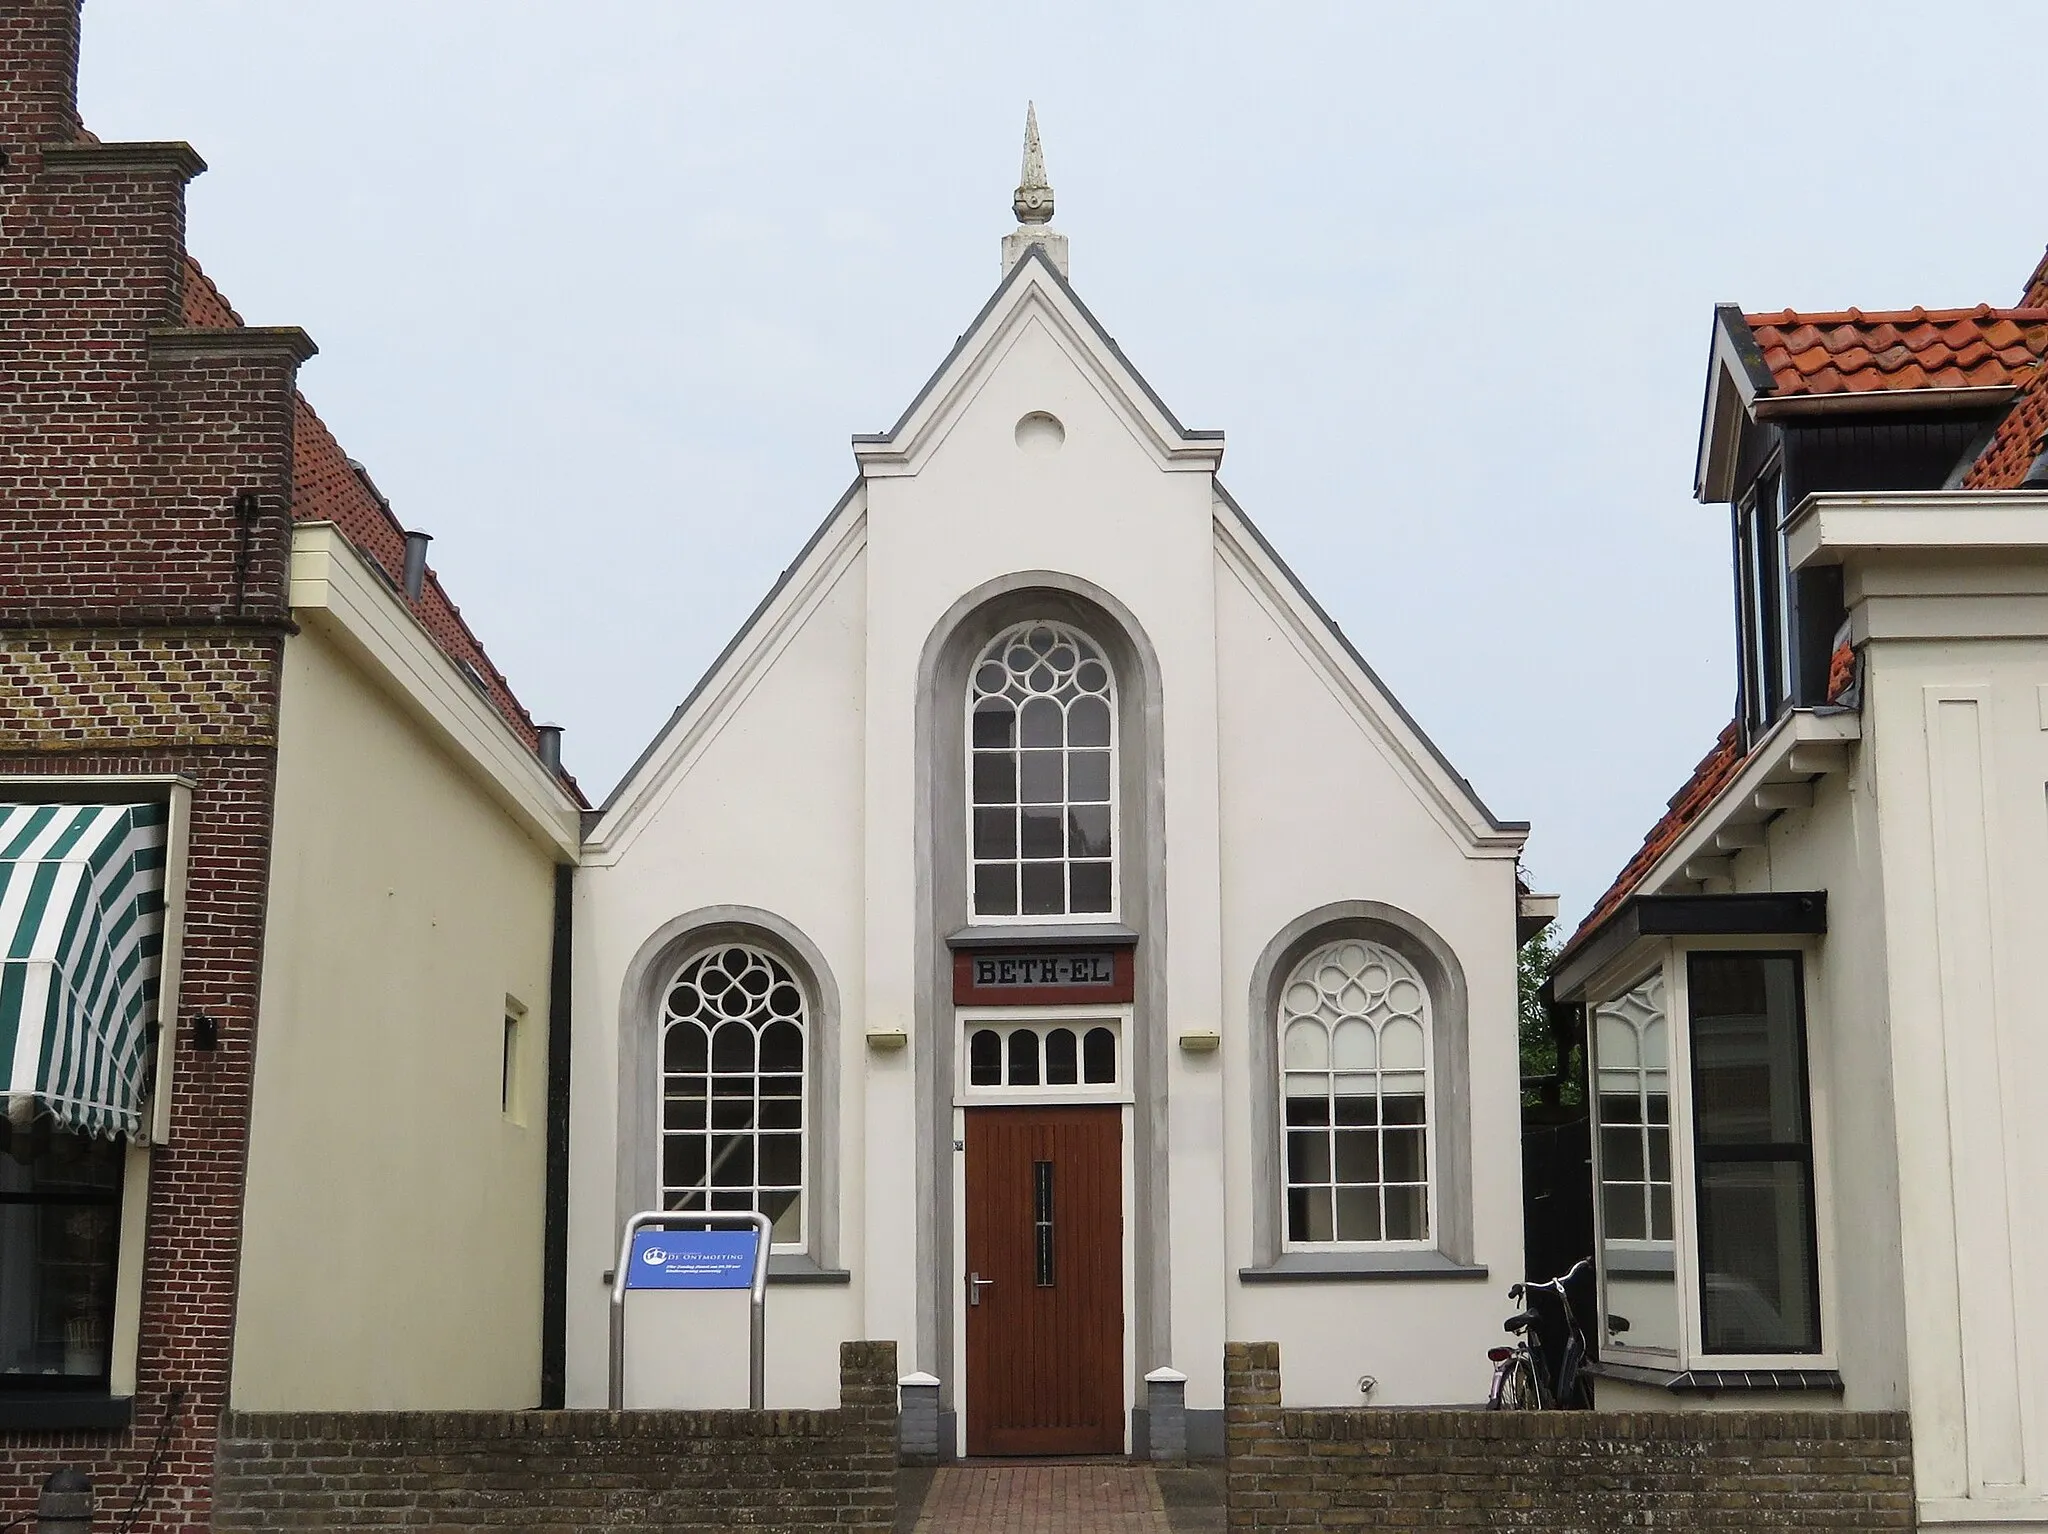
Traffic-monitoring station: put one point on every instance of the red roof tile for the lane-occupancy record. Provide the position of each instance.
(1854, 353)
(2011, 452)
(1715, 771)
(328, 487)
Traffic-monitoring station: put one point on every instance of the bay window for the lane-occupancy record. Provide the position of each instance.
(1706, 1180)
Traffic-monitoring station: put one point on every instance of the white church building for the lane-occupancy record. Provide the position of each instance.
(1045, 918)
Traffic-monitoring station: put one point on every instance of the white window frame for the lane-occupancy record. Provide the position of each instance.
(1432, 1214)
(1622, 1348)
(805, 1191)
(1116, 863)
(1684, 1169)
(1007, 1019)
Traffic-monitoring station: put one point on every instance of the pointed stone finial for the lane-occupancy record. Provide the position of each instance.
(1033, 205)
(1033, 202)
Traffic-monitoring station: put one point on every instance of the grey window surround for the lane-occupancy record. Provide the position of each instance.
(951, 648)
(1450, 1092)
(1353, 1266)
(798, 1268)
(639, 1106)
(1108, 934)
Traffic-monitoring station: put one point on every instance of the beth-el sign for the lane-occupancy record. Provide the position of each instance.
(1028, 977)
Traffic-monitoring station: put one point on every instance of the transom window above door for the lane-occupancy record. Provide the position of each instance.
(1063, 1057)
(1042, 773)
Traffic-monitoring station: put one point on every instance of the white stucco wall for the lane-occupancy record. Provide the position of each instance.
(791, 786)
(761, 809)
(1317, 809)
(391, 1250)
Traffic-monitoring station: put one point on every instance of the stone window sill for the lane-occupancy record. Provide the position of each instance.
(798, 1268)
(57, 1412)
(1358, 1267)
(1686, 1380)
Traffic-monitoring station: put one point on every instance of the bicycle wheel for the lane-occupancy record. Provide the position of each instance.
(1519, 1391)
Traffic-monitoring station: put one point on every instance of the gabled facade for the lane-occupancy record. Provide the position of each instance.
(1047, 920)
(1813, 997)
(280, 857)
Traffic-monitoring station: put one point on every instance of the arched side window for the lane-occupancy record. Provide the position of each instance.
(1042, 776)
(1632, 1054)
(1354, 1027)
(734, 1040)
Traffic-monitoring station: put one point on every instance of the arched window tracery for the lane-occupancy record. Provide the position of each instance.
(1042, 776)
(734, 1049)
(1354, 1031)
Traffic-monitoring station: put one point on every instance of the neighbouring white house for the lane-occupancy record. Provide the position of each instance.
(1045, 917)
(1817, 998)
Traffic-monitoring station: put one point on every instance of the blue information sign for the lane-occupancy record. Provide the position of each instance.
(692, 1259)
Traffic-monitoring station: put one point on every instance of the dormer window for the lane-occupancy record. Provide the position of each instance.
(1762, 594)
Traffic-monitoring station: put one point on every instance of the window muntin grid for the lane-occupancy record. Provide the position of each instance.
(1042, 776)
(1042, 1054)
(733, 1042)
(1632, 1064)
(1354, 1026)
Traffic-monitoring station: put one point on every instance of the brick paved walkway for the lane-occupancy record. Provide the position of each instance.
(1107, 1498)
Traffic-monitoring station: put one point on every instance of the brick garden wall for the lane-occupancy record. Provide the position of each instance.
(593, 1471)
(1539, 1472)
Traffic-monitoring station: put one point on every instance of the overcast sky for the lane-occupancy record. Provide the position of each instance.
(603, 286)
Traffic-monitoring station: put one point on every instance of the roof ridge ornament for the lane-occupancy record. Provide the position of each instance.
(1033, 205)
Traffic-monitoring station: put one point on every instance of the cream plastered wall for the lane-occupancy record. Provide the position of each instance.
(759, 805)
(1835, 846)
(1316, 811)
(391, 1253)
(1961, 729)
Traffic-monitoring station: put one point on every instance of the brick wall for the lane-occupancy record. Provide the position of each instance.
(588, 1470)
(145, 500)
(1556, 1471)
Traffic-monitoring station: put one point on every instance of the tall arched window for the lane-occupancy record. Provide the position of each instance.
(1355, 1073)
(733, 1041)
(1042, 774)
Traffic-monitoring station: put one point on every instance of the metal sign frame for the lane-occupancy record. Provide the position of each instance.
(677, 1219)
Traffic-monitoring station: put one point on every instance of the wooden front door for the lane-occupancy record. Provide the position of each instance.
(1045, 1264)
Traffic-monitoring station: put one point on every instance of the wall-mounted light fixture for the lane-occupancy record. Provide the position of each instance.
(887, 1039)
(205, 1031)
(1201, 1043)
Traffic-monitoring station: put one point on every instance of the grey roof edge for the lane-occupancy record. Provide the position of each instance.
(1729, 326)
(1343, 640)
(1742, 340)
(726, 654)
(1010, 278)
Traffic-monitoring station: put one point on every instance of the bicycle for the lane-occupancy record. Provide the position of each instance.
(1522, 1380)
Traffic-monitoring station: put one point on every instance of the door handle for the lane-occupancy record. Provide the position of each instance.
(975, 1284)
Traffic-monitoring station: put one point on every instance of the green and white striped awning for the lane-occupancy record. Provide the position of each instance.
(81, 936)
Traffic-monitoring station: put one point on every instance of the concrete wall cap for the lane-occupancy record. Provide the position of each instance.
(1166, 1376)
(919, 1378)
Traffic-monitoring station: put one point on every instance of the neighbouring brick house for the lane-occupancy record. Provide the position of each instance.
(315, 803)
(1815, 995)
